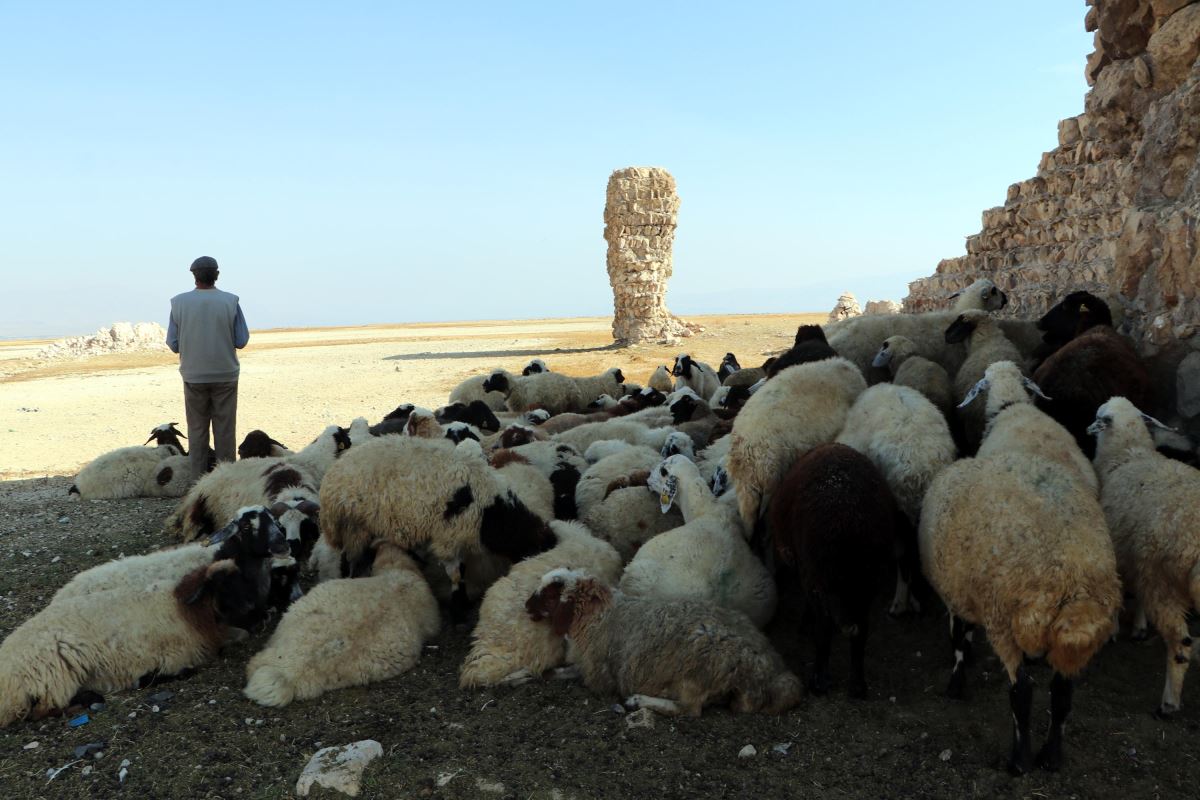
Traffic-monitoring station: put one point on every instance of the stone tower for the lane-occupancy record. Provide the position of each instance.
(639, 226)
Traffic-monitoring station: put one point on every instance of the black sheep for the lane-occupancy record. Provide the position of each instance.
(809, 345)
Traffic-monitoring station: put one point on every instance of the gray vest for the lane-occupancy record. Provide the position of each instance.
(205, 319)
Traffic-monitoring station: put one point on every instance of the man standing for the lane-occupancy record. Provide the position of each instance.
(206, 328)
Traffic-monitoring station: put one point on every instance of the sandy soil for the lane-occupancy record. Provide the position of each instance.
(542, 740)
(57, 416)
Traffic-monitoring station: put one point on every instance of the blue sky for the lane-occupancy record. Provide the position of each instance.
(387, 162)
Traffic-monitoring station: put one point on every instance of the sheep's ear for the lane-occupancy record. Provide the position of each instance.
(164, 476)
(954, 294)
(1099, 424)
(883, 357)
(1034, 388)
(959, 330)
(223, 534)
(666, 496)
(153, 435)
(309, 508)
(975, 390)
(193, 589)
(542, 602)
(1151, 422)
(175, 430)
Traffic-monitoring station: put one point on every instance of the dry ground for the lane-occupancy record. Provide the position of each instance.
(539, 740)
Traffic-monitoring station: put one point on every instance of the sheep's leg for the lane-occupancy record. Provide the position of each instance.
(858, 657)
(1141, 628)
(902, 600)
(1020, 698)
(659, 705)
(962, 634)
(819, 682)
(1061, 689)
(1179, 654)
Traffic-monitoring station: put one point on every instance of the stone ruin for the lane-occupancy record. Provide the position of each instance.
(1115, 207)
(882, 307)
(845, 308)
(639, 225)
(122, 337)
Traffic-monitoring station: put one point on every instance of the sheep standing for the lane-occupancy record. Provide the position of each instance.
(552, 391)
(506, 647)
(899, 355)
(986, 344)
(704, 559)
(694, 375)
(671, 656)
(1152, 504)
(1086, 371)
(1013, 422)
(908, 440)
(799, 408)
(473, 389)
(833, 527)
(333, 637)
(138, 471)
(1017, 544)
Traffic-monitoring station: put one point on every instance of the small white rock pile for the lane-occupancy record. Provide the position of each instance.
(122, 337)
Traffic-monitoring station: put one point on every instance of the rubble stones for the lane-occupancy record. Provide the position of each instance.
(122, 337)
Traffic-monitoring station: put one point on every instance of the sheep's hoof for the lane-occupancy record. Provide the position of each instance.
(1049, 757)
(521, 676)
(1166, 712)
(900, 609)
(567, 673)
(957, 686)
(1018, 766)
(1140, 634)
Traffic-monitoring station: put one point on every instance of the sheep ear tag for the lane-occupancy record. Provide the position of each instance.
(1035, 389)
(666, 498)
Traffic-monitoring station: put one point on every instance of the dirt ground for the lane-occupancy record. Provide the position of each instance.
(541, 740)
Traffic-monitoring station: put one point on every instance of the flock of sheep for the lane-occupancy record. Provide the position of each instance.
(641, 538)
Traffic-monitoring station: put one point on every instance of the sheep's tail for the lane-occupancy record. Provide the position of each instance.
(749, 501)
(270, 686)
(784, 692)
(1080, 629)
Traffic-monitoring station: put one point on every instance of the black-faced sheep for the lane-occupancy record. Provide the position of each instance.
(1016, 543)
(394, 421)
(671, 656)
(809, 345)
(167, 433)
(695, 375)
(799, 408)
(1152, 504)
(110, 639)
(476, 413)
(729, 365)
(258, 444)
(535, 366)
(332, 637)
(473, 389)
(832, 526)
(1084, 372)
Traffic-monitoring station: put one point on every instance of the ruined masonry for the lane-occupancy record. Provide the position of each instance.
(1115, 208)
(639, 226)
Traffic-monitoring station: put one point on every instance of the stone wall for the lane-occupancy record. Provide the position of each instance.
(1115, 208)
(639, 225)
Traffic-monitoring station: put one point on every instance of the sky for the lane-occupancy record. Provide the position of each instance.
(354, 163)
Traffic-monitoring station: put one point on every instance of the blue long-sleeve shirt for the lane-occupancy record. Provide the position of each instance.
(205, 328)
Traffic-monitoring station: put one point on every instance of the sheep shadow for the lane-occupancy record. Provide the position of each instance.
(427, 356)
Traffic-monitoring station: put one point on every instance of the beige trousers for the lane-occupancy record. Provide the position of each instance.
(205, 404)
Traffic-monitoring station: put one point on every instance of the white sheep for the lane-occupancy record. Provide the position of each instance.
(672, 656)
(660, 380)
(259, 481)
(1152, 504)
(552, 391)
(472, 389)
(1016, 543)
(108, 640)
(858, 338)
(506, 646)
(1013, 422)
(707, 558)
(628, 429)
(695, 375)
(610, 382)
(799, 408)
(908, 368)
(347, 632)
(986, 344)
(139, 471)
(907, 438)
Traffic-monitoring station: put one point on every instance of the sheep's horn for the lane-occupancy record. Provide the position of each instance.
(975, 390)
(1033, 387)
